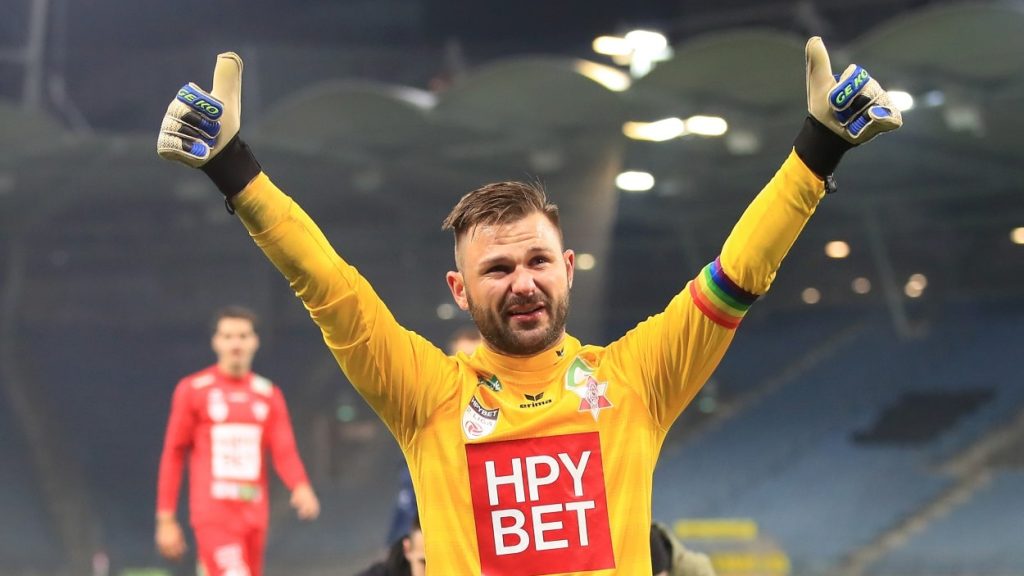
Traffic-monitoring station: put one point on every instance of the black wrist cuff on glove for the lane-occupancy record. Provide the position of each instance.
(233, 167)
(820, 148)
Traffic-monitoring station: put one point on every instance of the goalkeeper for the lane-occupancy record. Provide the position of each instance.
(535, 454)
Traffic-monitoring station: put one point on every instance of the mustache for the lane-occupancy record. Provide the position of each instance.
(513, 301)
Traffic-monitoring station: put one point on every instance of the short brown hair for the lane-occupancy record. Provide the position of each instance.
(234, 312)
(499, 203)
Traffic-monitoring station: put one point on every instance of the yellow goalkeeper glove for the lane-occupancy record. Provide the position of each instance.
(200, 129)
(844, 111)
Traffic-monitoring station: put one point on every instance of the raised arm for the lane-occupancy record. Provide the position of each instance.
(396, 370)
(673, 353)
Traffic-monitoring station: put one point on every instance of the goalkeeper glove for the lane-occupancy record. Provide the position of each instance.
(844, 111)
(200, 129)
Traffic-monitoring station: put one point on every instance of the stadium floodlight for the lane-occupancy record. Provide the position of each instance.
(903, 101)
(610, 78)
(861, 285)
(635, 181)
(811, 295)
(646, 42)
(837, 249)
(657, 131)
(585, 261)
(612, 46)
(638, 49)
(707, 125)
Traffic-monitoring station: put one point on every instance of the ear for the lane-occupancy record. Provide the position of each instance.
(457, 284)
(570, 264)
(257, 337)
(406, 545)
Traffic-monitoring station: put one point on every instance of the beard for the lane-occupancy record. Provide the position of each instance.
(496, 325)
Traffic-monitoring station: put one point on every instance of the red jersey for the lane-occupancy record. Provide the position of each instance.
(228, 424)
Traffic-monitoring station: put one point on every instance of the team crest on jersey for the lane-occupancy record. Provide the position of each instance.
(261, 385)
(260, 410)
(478, 421)
(491, 382)
(216, 406)
(580, 380)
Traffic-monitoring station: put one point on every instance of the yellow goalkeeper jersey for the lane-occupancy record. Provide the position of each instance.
(540, 465)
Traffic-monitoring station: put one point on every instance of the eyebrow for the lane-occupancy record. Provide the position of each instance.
(490, 260)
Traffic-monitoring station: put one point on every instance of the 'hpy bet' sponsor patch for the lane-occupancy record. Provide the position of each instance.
(539, 505)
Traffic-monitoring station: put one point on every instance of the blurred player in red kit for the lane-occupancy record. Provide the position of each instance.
(228, 418)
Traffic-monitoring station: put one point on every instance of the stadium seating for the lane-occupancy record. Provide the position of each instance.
(26, 534)
(810, 487)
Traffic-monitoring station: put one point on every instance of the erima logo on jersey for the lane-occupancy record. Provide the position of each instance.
(539, 505)
(478, 421)
(535, 400)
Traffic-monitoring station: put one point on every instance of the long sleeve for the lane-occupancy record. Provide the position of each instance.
(282, 443)
(764, 234)
(177, 442)
(670, 356)
(398, 372)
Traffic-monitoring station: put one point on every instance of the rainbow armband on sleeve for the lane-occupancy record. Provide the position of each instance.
(718, 297)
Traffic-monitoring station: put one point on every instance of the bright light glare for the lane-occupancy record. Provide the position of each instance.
(903, 101)
(912, 291)
(585, 261)
(646, 41)
(811, 295)
(610, 78)
(1017, 235)
(915, 285)
(707, 125)
(658, 131)
(446, 311)
(634, 181)
(861, 285)
(934, 98)
(612, 46)
(837, 249)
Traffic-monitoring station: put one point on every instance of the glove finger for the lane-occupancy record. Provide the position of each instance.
(819, 67)
(185, 115)
(203, 103)
(851, 83)
(871, 94)
(182, 148)
(886, 117)
(857, 105)
(207, 128)
(172, 125)
(227, 80)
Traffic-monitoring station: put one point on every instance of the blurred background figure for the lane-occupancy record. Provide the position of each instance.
(404, 558)
(464, 340)
(670, 558)
(226, 419)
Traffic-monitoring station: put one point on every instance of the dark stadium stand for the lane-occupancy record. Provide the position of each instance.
(981, 537)
(807, 483)
(26, 534)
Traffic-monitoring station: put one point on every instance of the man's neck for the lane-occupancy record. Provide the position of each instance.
(553, 345)
(232, 370)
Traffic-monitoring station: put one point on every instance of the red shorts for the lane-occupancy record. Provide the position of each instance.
(230, 551)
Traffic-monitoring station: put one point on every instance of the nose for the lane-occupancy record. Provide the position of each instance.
(522, 283)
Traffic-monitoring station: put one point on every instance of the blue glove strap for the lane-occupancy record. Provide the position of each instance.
(201, 102)
(842, 96)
